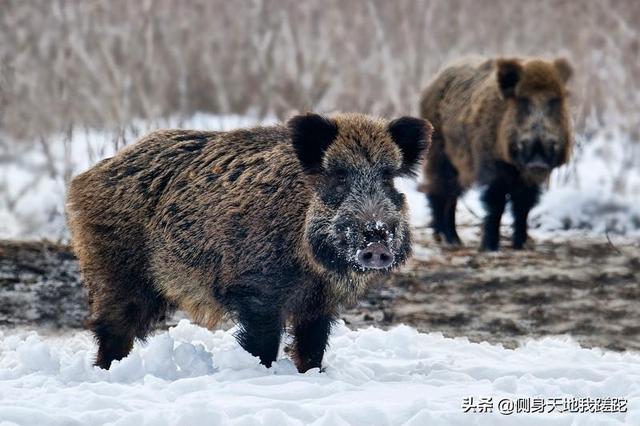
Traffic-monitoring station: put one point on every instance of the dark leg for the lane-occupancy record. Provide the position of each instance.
(443, 194)
(437, 204)
(522, 201)
(311, 337)
(449, 229)
(260, 333)
(113, 343)
(123, 302)
(116, 322)
(494, 199)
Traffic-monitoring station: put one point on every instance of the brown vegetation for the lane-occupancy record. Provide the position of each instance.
(67, 64)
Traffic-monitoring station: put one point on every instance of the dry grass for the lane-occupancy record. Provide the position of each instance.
(65, 64)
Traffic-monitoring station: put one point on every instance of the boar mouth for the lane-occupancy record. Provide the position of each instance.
(374, 256)
(538, 167)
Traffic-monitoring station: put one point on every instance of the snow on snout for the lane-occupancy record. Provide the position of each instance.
(190, 375)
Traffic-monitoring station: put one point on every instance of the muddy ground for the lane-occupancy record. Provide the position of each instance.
(586, 287)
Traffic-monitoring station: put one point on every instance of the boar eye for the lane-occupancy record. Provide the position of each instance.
(339, 180)
(553, 105)
(340, 175)
(523, 105)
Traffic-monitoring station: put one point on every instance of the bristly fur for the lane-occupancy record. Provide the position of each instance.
(405, 131)
(503, 124)
(261, 224)
(311, 135)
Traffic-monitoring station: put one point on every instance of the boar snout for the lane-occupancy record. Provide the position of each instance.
(375, 256)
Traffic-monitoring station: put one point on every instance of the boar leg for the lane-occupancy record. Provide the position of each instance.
(450, 233)
(123, 303)
(443, 208)
(260, 331)
(437, 203)
(113, 344)
(522, 201)
(444, 191)
(311, 337)
(494, 199)
(118, 318)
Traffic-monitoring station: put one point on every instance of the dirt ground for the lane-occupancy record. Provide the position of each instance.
(586, 287)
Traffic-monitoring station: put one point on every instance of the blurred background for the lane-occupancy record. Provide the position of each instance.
(81, 79)
(68, 64)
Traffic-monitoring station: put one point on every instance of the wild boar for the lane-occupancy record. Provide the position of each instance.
(503, 124)
(271, 225)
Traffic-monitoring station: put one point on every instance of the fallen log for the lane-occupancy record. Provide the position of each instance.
(40, 285)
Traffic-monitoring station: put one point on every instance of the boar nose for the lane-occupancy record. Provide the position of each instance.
(537, 158)
(375, 256)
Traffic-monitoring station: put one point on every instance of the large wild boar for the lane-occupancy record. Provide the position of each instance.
(269, 225)
(503, 124)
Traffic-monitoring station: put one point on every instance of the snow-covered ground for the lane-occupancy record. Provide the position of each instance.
(596, 193)
(191, 376)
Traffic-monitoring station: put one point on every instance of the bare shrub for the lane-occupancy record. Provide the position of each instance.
(101, 63)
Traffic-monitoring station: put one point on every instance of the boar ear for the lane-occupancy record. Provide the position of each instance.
(564, 68)
(413, 136)
(311, 135)
(509, 71)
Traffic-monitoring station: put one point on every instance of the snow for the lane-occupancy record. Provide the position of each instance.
(596, 212)
(32, 185)
(189, 375)
(598, 191)
(469, 206)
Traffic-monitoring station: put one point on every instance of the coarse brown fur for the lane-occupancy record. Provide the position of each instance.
(501, 123)
(240, 223)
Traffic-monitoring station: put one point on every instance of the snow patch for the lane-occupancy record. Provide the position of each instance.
(189, 375)
(32, 184)
(597, 212)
